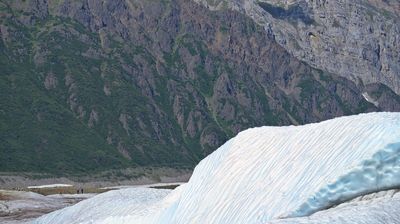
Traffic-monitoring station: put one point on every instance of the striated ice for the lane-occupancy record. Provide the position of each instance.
(271, 173)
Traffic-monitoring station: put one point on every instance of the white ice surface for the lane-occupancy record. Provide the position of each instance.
(20, 206)
(112, 205)
(385, 209)
(50, 186)
(270, 172)
(19, 200)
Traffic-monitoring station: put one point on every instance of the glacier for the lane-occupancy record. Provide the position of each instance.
(116, 206)
(382, 207)
(267, 174)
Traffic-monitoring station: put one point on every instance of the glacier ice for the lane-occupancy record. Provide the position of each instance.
(115, 206)
(271, 173)
(382, 207)
(50, 186)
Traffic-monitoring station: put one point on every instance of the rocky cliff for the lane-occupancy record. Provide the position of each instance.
(355, 39)
(89, 85)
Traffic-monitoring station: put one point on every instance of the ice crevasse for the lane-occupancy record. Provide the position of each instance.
(271, 173)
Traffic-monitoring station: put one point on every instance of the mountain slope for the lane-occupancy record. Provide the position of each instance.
(88, 86)
(270, 173)
(355, 39)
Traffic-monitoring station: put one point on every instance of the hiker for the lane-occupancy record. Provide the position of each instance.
(81, 190)
(77, 191)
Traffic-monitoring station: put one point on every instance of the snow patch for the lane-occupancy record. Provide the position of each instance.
(50, 186)
(368, 98)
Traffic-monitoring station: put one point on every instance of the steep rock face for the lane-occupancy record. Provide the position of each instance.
(134, 82)
(354, 39)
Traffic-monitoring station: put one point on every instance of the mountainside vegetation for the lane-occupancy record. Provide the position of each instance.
(88, 86)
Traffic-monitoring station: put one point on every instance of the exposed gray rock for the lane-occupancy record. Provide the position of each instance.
(354, 39)
(93, 118)
(50, 82)
(122, 149)
(124, 119)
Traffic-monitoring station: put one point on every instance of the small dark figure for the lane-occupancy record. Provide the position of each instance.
(81, 190)
(77, 191)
